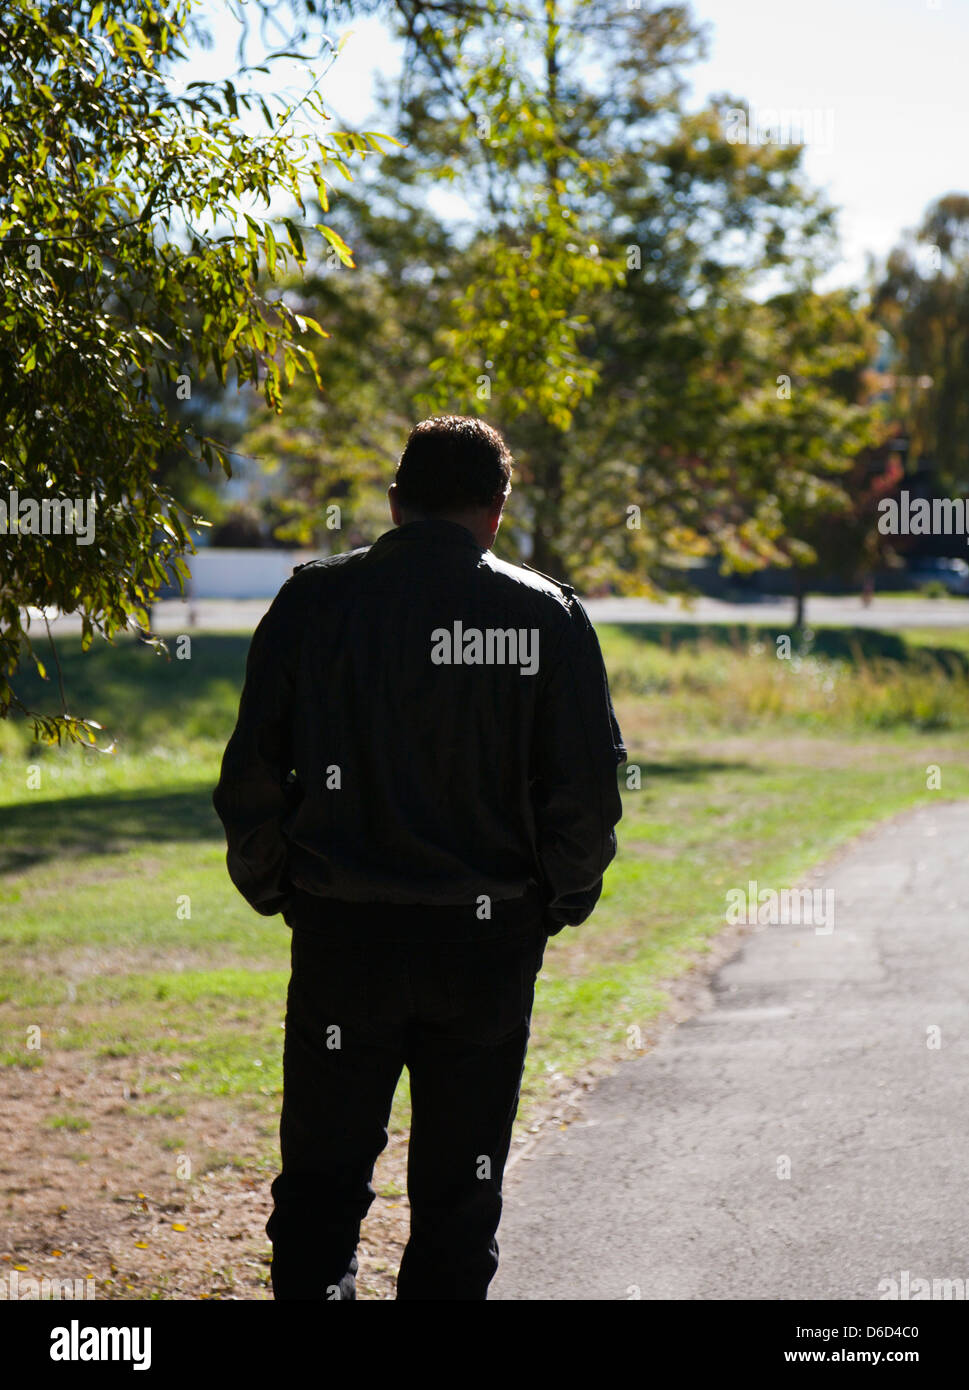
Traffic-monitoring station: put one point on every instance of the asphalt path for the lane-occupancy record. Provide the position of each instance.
(804, 1136)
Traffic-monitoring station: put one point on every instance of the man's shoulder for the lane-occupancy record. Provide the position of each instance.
(303, 586)
(530, 581)
(328, 569)
(327, 564)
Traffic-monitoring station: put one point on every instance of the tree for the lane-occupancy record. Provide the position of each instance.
(606, 300)
(334, 448)
(922, 300)
(130, 243)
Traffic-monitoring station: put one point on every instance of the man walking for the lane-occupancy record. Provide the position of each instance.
(422, 780)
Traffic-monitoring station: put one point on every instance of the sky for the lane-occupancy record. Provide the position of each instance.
(887, 80)
(893, 74)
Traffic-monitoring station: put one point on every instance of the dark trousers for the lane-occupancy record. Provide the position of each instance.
(369, 995)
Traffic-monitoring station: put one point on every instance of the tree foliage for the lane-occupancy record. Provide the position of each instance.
(922, 300)
(133, 222)
(628, 293)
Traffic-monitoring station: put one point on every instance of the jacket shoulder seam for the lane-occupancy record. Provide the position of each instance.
(561, 584)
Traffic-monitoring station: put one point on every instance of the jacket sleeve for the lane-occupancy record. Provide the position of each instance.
(253, 798)
(578, 746)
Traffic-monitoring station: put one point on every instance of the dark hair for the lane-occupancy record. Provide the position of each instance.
(452, 462)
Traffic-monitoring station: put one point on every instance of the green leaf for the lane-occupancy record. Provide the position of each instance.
(337, 242)
(305, 321)
(294, 236)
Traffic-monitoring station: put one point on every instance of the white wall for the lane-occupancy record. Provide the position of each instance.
(228, 573)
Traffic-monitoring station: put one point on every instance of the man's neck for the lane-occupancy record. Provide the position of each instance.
(482, 535)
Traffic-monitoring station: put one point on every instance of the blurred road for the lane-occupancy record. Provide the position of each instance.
(815, 1050)
(242, 615)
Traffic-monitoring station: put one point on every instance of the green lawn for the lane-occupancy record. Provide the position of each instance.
(121, 936)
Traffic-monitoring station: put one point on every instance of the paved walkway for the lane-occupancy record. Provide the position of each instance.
(242, 615)
(815, 1050)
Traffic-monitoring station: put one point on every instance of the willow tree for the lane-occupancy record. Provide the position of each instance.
(134, 220)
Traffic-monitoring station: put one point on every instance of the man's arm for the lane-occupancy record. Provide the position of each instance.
(251, 798)
(578, 746)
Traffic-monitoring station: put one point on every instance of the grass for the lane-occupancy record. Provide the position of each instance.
(843, 679)
(122, 938)
(955, 638)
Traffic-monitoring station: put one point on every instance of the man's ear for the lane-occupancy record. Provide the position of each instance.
(494, 522)
(394, 504)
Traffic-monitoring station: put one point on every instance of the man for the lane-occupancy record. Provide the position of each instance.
(423, 781)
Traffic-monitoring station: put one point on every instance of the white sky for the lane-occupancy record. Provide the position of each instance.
(889, 76)
(894, 73)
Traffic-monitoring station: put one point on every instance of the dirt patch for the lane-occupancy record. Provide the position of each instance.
(90, 1187)
(90, 1173)
(73, 965)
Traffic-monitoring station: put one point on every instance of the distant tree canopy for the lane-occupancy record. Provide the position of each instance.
(922, 299)
(629, 294)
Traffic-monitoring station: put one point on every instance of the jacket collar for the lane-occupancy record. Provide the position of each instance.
(428, 531)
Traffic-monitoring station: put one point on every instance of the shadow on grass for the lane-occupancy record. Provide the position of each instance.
(35, 832)
(687, 770)
(854, 644)
(139, 695)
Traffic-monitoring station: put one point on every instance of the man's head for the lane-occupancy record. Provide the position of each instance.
(456, 468)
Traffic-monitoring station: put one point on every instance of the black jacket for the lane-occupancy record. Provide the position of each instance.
(423, 723)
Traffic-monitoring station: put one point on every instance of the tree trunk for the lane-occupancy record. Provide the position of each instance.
(799, 597)
(544, 556)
